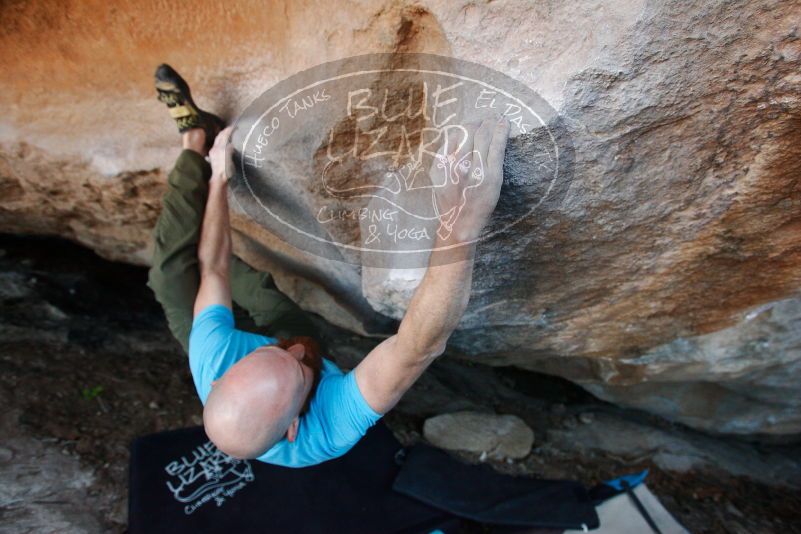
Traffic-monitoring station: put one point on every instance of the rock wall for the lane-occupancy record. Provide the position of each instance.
(666, 278)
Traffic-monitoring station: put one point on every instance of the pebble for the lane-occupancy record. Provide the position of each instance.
(734, 510)
(491, 435)
(153, 405)
(587, 418)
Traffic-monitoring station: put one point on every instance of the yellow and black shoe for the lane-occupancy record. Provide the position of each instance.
(174, 91)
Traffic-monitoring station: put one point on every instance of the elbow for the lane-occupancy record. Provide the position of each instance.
(427, 354)
(213, 262)
(423, 351)
(210, 269)
(437, 350)
(425, 344)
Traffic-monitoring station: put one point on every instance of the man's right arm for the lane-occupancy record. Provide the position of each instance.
(441, 298)
(436, 308)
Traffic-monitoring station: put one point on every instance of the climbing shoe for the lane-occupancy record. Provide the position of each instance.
(174, 91)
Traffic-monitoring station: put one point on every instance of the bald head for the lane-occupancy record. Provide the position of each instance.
(257, 401)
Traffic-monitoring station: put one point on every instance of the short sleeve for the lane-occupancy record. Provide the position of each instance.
(337, 419)
(342, 413)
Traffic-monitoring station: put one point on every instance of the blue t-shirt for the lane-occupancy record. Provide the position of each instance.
(338, 416)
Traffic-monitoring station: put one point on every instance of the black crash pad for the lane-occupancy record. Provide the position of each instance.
(180, 483)
(479, 493)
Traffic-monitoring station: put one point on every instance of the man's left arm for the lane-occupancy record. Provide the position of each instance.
(214, 249)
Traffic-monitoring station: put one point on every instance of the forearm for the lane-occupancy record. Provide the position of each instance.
(214, 250)
(439, 301)
(435, 310)
(437, 305)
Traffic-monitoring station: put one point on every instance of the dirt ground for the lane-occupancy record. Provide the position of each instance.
(87, 364)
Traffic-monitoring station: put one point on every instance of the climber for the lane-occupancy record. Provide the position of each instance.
(274, 397)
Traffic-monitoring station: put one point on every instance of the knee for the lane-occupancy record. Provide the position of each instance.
(155, 279)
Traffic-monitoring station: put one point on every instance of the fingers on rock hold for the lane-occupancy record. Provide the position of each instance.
(497, 148)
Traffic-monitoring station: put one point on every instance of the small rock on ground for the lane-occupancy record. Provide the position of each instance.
(497, 436)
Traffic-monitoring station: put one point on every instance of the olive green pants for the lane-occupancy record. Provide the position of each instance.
(175, 276)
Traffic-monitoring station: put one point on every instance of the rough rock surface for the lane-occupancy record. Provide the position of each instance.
(666, 278)
(674, 450)
(496, 436)
(44, 488)
(49, 358)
